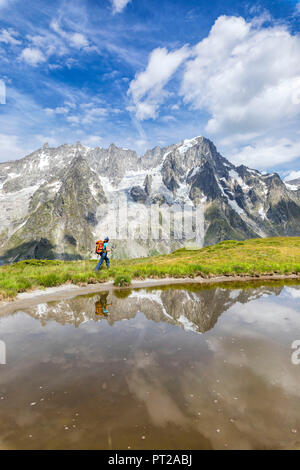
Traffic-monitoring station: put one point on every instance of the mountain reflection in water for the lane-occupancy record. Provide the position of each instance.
(187, 308)
(164, 368)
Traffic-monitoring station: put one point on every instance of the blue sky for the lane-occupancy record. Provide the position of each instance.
(141, 73)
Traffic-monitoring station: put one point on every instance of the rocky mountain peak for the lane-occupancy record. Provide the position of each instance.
(77, 168)
(113, 148)
(65, 196)
(80, 147)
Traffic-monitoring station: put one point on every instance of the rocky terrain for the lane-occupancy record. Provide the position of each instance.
(56, 202)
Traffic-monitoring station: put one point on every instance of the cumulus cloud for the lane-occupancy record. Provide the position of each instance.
(247, 77)
(32, 56)
(147, 89)
(119, 5)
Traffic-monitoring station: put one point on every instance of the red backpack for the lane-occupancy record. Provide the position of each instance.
(99, 246)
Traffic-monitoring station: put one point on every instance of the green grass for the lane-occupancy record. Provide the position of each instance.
(122, 281)
(250, 257)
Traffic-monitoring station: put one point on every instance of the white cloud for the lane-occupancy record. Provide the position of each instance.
(92, 140)
(147, 89)
(8, 37)
(73, 119)
(247, 77)
(93, 115)
(42, 139)
(57, 43)
(141, 143)
(25, 125)
(293, 175)
(77, 40)
(88, 116)
(242, 138)
(10, 147)
(119, 5)
(61, 110)
(49, 43)
(267, 153)
(168, 118)
(32, 56)
(58, 110)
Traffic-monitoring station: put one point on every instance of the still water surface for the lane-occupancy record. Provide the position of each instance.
(165, 368)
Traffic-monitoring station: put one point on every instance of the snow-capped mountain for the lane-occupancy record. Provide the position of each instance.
(56, 201)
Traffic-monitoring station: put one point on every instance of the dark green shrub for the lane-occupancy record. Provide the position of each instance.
(122, 281)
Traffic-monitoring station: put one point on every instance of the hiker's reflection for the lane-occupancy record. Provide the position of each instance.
(102, 304)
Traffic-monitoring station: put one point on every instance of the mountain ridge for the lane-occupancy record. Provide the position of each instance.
(56, 201)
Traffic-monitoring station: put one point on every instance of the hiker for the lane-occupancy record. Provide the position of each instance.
(101, 305)
(102, 250)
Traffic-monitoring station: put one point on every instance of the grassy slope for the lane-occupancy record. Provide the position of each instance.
(254, 257)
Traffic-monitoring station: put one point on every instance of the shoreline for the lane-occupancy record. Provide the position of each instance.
(68, 291)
